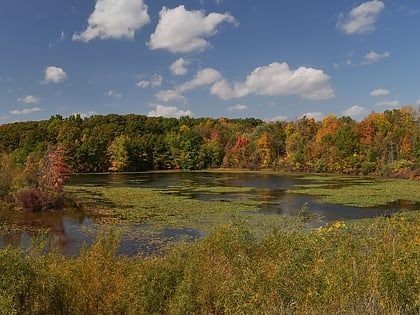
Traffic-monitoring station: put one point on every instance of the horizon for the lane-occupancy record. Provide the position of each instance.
(83, 117)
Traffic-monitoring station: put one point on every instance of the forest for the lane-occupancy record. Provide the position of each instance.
(385, 143)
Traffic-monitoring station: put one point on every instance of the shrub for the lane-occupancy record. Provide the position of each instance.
(363, 267)
(30, 199)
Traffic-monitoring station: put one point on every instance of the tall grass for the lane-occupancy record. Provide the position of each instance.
(361, 267)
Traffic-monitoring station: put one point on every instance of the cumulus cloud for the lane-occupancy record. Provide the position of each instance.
(355, 111)
(237, 107)
(113, 93)
(54, 75)
(373, 57)
(394, 103)
(203, 77)
(28, 99)
(379, 92)
(168, 111)
(361, 19)
(315, 115)
(179, 67)
(279, 118)
(115, 19)
(180, 30)
(170, 95)
(278, 79)
(155, 81)
(25, 111)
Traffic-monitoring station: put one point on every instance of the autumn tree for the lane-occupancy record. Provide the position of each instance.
(53, 171)
(294, 144)
(45, 179)
(118, 154)
(211, 152)
(239, 154)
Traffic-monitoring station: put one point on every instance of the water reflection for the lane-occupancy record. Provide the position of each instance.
(269, 189)
(69, 231)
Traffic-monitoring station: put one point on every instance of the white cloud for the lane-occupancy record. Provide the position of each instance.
(25, 111)
(115, 19)
(84, 115)
(361, 19)
(113, 93)
(278, 79)
(388, 103)
(28, 99)
(355, 111)
(54, 75)
(169, 95)
(372, 56)
(179, 67)
(168, 111)
(155, 81)
(418, 102)
(223, 90)
(180, 30)
(237, 107)
(315, 115)
(203, 77)
(279, 118)
(143, 84)
(379, 92)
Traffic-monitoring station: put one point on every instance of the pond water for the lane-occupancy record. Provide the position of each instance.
(69, 231)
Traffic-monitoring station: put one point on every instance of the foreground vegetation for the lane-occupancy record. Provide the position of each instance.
(364, 267)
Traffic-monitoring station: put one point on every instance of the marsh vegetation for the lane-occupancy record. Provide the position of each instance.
(152, 209)
(364, 267)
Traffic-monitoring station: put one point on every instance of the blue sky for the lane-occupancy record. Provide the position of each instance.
(271, 59)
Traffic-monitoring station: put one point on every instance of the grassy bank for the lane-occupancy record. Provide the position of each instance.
(367, 267)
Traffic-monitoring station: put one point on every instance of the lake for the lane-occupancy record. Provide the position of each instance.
(68, 231)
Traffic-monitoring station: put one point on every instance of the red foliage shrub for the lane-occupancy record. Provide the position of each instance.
(34, 200)
(30, 199)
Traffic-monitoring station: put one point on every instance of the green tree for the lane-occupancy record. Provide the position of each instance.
(189, 145)
(8, 171)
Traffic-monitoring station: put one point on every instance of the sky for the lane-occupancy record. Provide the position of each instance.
(270, 59)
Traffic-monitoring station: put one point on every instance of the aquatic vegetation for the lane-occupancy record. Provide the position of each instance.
(364, 192)
(161, 208)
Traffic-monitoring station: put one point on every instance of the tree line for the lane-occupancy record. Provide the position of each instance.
(382, 143)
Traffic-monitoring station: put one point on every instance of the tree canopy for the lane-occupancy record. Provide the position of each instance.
(381, 143)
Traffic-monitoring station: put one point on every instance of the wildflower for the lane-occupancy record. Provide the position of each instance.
(339, 225)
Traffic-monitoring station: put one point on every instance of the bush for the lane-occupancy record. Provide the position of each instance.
(30, 199)
(35, 200)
